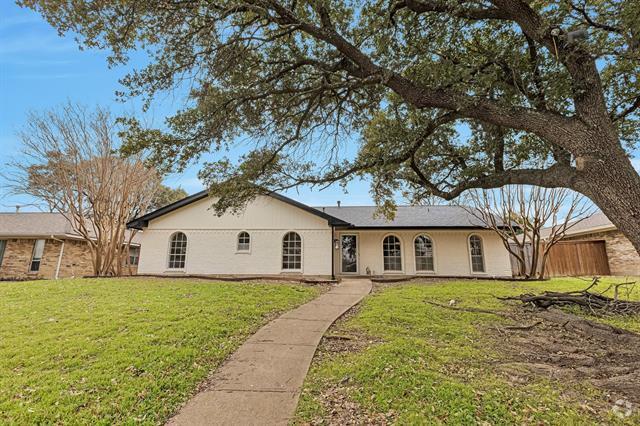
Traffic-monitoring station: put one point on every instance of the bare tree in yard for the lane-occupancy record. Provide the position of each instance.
(396, 78)
(70, 162)
(518, 213)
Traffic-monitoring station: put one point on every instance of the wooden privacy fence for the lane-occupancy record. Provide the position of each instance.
(572, 258)
(576, 258)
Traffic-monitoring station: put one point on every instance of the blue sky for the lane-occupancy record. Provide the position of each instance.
(40, 70)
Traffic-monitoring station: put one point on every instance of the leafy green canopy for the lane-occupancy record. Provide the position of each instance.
(165, 196)
(300, 79)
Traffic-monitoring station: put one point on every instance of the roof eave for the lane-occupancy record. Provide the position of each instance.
(592, 230)
(383, 227)
(33, 236)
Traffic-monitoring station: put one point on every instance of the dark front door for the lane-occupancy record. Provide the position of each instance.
(349, 254)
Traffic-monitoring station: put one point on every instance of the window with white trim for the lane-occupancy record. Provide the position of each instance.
(392, 253)
(3, 246)
(477, 253)
(244, 241)
(134, 255)
(291, 251)
(36, 256)
(424, 253)
(177, 251)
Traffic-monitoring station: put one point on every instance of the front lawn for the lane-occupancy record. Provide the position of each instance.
(401, 360)
(109, 351)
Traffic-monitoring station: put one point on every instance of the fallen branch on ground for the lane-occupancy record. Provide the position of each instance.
(473, 310)
(596, 303)
(338, 337)
(522, 327)
(487, 311)
(600, 331)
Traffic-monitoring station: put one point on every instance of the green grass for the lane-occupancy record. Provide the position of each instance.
(434, 366)
(121, 350)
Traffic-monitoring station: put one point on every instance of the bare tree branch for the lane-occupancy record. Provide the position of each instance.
(69, 161)
(518, 214)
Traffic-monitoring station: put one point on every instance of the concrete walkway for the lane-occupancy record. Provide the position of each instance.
(260, 383)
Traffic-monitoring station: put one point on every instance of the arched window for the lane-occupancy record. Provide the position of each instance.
(392, 253)
(292, 251)
(244, 241)
(177, 250)
(424, 253)
(477, 253)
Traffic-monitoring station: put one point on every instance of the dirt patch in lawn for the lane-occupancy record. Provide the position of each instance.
(340, 409)
(338, 339)
(538, 345)
(560, 346)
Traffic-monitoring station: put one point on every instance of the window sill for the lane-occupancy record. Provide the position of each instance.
(425, 272)
(243, 251)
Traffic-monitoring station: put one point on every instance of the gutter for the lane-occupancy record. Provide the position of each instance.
(59, 256)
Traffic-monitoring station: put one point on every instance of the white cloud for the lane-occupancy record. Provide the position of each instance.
(19, 21)
(29, 43)
(44, 76)
(35, 62)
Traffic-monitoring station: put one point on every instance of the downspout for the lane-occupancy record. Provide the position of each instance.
(333, 275)
(59, 256)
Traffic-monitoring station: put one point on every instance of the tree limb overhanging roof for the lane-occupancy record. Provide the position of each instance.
(362, 217)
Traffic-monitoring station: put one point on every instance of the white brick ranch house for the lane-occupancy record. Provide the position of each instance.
(276, 235)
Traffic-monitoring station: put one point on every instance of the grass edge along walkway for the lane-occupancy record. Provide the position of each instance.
(114, 351)
(260, 383)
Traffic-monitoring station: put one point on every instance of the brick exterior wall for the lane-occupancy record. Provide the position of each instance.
(623, 257)
(76, 260)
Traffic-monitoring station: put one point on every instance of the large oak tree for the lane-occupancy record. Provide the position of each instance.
(440, 95)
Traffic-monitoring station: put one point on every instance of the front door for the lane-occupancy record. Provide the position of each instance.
(349, 254)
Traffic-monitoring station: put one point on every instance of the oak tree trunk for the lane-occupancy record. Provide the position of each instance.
(612, 183)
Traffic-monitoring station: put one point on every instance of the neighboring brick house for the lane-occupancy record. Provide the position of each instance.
(622, 256)
(43, 245)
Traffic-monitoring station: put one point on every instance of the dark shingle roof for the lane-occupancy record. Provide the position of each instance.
(38, 224)
(406, 217)
(594, 223)
(351, 216)
(34, 224)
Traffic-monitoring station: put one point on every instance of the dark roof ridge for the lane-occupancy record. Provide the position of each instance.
(400, 205)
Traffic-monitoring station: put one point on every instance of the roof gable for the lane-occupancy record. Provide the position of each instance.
(143, 221)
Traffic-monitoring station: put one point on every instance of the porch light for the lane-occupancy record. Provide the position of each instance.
(336, 243)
